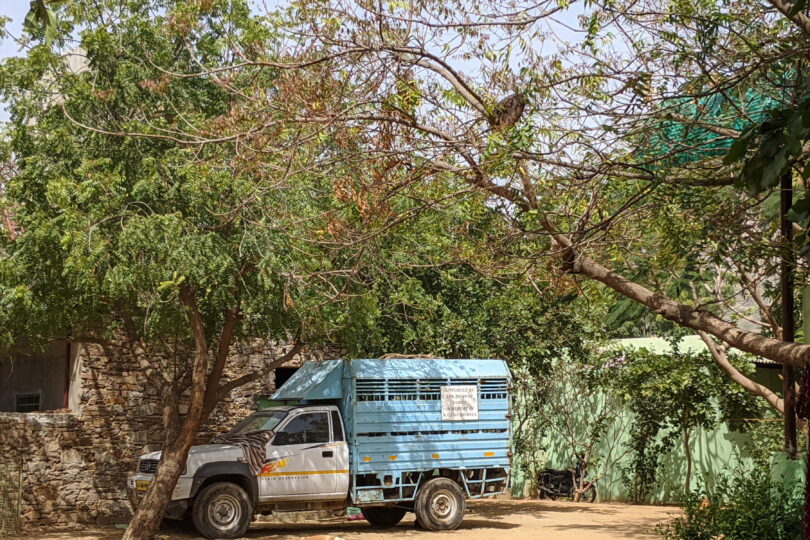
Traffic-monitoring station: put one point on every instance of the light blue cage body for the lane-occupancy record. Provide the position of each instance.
(392, 411)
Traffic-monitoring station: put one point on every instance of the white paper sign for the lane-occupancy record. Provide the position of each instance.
(460, 402)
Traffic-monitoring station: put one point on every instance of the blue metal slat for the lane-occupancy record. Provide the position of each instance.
(423, 406)
(500, 436)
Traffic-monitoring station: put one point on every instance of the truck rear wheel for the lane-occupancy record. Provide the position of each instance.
(383, 516)
(222, 510)
(440, 505)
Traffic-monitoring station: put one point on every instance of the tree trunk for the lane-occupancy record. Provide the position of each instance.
(146, 521)
(786, 286)
(688, 452)
(206, 392)
(178, 436)
(577, 486)
(178, 439)
(806, 513)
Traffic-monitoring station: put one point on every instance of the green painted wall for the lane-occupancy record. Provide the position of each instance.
(788, 473)
(714, 452)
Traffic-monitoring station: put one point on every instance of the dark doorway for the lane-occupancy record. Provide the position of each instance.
(283, 374)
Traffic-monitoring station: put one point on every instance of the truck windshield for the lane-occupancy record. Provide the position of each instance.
(259, 421)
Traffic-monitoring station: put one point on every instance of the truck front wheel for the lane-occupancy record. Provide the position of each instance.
(440, 505)
(383, 516)
(222, 510)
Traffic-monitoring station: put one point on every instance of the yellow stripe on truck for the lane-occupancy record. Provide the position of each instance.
(291, 473)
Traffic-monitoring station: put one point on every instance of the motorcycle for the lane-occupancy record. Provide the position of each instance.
(553, 483)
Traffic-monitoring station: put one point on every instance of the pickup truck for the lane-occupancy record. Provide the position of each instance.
(389, 436)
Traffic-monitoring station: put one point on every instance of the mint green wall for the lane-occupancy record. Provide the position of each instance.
(714, 452)
(788, 473)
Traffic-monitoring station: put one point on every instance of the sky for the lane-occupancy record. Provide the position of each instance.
(15, 10)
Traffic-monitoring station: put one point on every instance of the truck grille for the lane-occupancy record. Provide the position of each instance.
(148, 465)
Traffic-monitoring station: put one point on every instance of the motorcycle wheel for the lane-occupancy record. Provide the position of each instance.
(589, 495)
(547, 495)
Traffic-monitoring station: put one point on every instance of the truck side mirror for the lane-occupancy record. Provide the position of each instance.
(282, 438)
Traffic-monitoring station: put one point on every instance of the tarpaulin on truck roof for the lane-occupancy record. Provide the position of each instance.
(422, 368)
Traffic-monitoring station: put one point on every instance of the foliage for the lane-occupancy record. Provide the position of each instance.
(670, 395)
(766, 436)
(568, 411)
(41, 21)
(452, 311)
(116, 225)
(774, 147)
(749, 506)
(133, 234)
(266, 164)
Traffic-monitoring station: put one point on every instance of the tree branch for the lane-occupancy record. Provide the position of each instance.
(201, 359)
(787, 353)
(211, 394)
(721, 359)
(799, 19)
(226, 388)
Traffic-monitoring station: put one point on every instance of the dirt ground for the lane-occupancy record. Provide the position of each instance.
(485, 520)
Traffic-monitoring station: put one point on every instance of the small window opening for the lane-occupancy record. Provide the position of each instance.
(27, 403)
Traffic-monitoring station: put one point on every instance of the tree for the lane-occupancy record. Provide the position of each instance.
(432, 102)
(452, 311)
(568, 163)
(670, 395)
(178, 250)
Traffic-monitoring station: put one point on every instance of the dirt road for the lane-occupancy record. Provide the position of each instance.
(485, 520)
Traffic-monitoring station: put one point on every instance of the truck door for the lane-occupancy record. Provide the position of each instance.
(300, 459)
(341, 455)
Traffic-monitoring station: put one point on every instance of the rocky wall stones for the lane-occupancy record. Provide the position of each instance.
(75, 463)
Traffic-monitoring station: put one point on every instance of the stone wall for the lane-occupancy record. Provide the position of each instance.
(75, 463)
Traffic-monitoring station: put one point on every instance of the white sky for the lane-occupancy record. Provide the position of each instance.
(16, 10)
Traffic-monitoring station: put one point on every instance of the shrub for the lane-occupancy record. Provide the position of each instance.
(747, 507)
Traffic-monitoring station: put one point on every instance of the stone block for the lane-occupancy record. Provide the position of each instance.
(71, 456)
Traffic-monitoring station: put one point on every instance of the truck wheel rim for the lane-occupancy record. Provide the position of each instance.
(443, 504)
(224, 511)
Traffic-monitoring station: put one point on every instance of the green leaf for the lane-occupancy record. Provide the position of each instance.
(800, 211)
(772, 171)
(737, 149)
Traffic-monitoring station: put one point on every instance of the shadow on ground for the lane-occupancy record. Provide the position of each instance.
(485, 520)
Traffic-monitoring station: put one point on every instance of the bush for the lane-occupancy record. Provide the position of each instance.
(747, 507)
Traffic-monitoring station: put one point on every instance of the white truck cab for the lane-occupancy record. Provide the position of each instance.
(307, 459)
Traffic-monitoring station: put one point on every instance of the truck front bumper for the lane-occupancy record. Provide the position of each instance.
(140, 482)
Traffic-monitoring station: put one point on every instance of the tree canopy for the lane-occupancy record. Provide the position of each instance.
(212, 170)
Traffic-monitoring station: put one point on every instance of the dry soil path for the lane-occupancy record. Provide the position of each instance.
(485, 520)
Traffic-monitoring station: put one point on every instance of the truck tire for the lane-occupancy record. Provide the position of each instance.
(440, 505)
(383, 516)
(222, 510)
